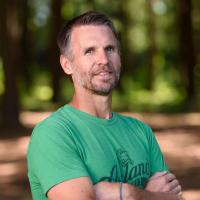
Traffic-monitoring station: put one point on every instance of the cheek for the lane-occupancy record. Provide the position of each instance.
(119, 60)
(116, 60)
(86, 63)
(78, 66)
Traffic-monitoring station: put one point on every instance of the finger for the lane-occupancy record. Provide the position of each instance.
(177, 191)
(170, 177)
(170, 186)
(158, 174)
(180, 193)
(173, 184)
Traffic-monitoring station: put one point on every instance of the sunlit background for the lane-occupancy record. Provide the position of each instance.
(160, 81)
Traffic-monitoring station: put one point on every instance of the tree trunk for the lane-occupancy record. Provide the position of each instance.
(10, 41)
(53, 49)
(26, 42)
(187, 53)
(127, 57)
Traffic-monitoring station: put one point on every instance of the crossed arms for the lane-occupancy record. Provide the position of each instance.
(161, 185)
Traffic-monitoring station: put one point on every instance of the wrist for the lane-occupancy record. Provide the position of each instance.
(120, 190)
(131, 192)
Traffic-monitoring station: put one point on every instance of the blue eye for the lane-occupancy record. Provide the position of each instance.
(110, 49)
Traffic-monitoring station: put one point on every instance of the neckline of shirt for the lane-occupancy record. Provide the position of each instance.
(92, 118)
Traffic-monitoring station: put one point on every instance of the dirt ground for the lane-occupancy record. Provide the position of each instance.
(178, 136)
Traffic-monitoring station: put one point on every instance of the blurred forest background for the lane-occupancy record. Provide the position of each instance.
(160, 84)
(160, 55)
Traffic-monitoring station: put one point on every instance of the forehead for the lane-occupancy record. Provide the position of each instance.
(92, 34)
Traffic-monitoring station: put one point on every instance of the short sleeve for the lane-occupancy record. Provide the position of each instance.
(157, 161)
(53, 156)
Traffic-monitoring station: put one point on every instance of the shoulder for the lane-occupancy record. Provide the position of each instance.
(52, 122)
(55, 129)
(137, 126)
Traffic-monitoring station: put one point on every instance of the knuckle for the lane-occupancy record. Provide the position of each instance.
(176, 182)
(177, 189)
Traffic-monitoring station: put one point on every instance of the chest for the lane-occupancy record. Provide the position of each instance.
(115, 154)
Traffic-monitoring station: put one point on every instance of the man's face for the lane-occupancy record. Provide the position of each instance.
(96, 62)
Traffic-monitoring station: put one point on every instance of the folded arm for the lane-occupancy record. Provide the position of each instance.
(74, 189)
(160, 186)
(163, 186)
(110, 191)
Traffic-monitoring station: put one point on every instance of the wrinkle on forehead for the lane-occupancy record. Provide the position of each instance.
(89, 35)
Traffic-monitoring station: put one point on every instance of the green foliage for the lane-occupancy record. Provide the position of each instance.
(67, 89)
(164, 97)
(40, 93)
(132, 21)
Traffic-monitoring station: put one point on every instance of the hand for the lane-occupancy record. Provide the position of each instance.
(164, 182)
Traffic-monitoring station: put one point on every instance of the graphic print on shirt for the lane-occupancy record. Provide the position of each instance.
(127, 171)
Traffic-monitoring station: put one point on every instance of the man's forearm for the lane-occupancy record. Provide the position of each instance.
(105, 191)
(133, 193)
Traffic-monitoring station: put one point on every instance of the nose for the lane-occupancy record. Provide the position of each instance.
(102, 57)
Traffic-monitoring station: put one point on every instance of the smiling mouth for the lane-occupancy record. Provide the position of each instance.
(103, 73)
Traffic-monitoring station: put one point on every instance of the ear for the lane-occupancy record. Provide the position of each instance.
(65, 64)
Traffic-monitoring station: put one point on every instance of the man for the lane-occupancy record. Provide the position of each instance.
(84, 151)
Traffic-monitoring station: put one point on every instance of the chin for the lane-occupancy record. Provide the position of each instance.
(102, 87)
(102, 93)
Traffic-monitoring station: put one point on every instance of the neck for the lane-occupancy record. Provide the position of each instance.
(97, 105)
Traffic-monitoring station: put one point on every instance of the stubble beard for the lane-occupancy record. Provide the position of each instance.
(88, 81)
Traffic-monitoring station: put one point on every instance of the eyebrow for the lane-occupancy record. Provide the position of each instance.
(92, 47)
(111, 45)
(88, 48)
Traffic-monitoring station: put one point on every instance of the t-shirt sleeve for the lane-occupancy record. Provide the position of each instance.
(53, 156)
(157, 161)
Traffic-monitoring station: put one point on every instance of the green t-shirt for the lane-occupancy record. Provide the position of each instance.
(71, 144)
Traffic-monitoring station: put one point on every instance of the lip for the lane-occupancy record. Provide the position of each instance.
(103, 73)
